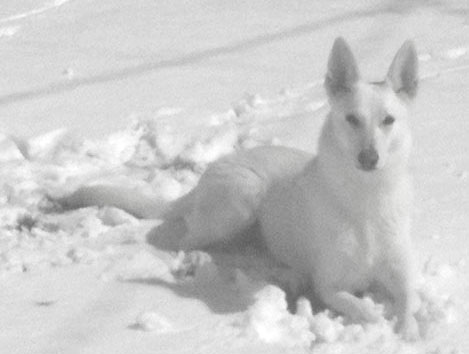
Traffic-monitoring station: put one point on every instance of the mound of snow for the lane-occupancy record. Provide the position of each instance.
(153, 322)
(114, 217)
(53, 145)
(455, 53)
(139, 265)
(271, 321)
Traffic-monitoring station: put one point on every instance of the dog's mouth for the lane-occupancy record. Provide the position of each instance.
(367, 168)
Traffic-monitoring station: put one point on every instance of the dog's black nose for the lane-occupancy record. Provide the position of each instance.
(368, 159)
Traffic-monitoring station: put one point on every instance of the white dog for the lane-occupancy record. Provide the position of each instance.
(342, 217)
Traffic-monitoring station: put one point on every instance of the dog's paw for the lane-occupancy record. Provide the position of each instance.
(363, 311)
(186, 265)
(370, 312)
(408, 329)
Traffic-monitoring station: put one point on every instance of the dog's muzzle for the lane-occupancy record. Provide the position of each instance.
(368, 159)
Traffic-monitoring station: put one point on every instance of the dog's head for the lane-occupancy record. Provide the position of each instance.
(369, 120)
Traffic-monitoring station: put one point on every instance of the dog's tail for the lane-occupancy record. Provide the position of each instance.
(134, 202)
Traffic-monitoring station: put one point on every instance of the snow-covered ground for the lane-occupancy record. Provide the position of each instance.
(153, 91)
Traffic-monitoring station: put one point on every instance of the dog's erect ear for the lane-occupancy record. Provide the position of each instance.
(342, 69)
(403, 73)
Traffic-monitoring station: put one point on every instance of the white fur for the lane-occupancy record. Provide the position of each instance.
(341, 225)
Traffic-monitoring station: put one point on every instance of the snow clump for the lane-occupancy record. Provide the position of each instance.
(271, 321)
(150, 321)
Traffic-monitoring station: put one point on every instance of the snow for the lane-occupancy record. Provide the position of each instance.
(455, 53)
(152, 321)
(145, 98)
(269, 318)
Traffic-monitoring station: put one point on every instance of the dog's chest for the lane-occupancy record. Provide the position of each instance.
(357, 240)
(362, 238)
(354, 255)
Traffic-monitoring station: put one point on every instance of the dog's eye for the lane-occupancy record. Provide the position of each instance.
(389, 120)
(353, 120)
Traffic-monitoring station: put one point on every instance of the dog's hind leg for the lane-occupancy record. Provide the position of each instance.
(221, 209)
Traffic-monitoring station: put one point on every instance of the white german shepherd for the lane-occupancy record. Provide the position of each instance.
(341, 218)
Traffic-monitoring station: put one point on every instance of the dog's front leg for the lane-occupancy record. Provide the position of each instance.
(397, 275)
(353, 307)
